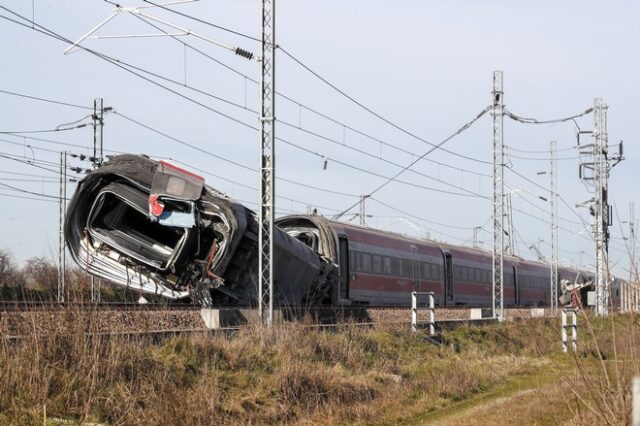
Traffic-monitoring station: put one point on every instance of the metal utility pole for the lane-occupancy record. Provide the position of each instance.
(267, 164)
(595, 172)
(601, 207)
(363, 212)
(62, 205)
(98, 124)
(553, 207)
(498, 197)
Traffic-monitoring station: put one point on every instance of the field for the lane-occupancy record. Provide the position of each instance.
(510, 373)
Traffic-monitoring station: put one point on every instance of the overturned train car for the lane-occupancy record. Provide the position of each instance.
(155, 228)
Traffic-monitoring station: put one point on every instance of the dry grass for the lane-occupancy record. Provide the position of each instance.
(600, 386)
(292, 375)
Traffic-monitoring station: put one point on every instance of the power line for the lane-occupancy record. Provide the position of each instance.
(375, 114)
(44, 99)
(14, 188)
(121, 65)
(419, 217)
(28, 163)
(394, 178)
(30, 160)
(522, 157)
(244, 166)
(37, 148)
(56, 142)
(24, 174)
(29, 198)
(35, 180)
(59, 129)
(202, 21)
(536, 121)
(526, 151)
(298, 103)
(325, 81)
(252, 188)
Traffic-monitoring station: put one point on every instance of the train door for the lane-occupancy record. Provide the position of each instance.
(448, 278)
(345, 272)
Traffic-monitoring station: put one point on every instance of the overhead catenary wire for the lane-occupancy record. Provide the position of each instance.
(244, 166)
(57, 142)
(536, 121)
(120, 65)
(163, 134)
(195, 147)
(28, 163)
(37, 163)
(301, 106)
(37, 148)
(523, 157)
(59, 129)
(413, 216)
(394, 177)
(305, 130)
(322, 79)
(530, 151)
(26, 191)
(22, 197)
(22, 95)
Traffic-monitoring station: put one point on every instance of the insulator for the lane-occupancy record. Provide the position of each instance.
(244, 53)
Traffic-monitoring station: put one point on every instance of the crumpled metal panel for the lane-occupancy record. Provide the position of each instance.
(217, 266)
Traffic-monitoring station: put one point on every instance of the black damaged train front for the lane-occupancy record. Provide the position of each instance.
(155, 228)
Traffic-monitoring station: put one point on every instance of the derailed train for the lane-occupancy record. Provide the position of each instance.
(158, 229)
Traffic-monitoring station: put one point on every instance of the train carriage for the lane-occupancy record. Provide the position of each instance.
(383, 268)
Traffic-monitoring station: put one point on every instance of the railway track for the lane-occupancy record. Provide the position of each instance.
(20, 306)
(158, 320)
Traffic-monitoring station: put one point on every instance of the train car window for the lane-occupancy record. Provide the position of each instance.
(386, 267)
(366, 262)
(360, 266)
(396, 267)
(509, 279)
(438, 272)
(426, 271)
(376, 262)
(457, 274)
(407, 268)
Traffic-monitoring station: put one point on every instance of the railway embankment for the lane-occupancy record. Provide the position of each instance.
(292, 375)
